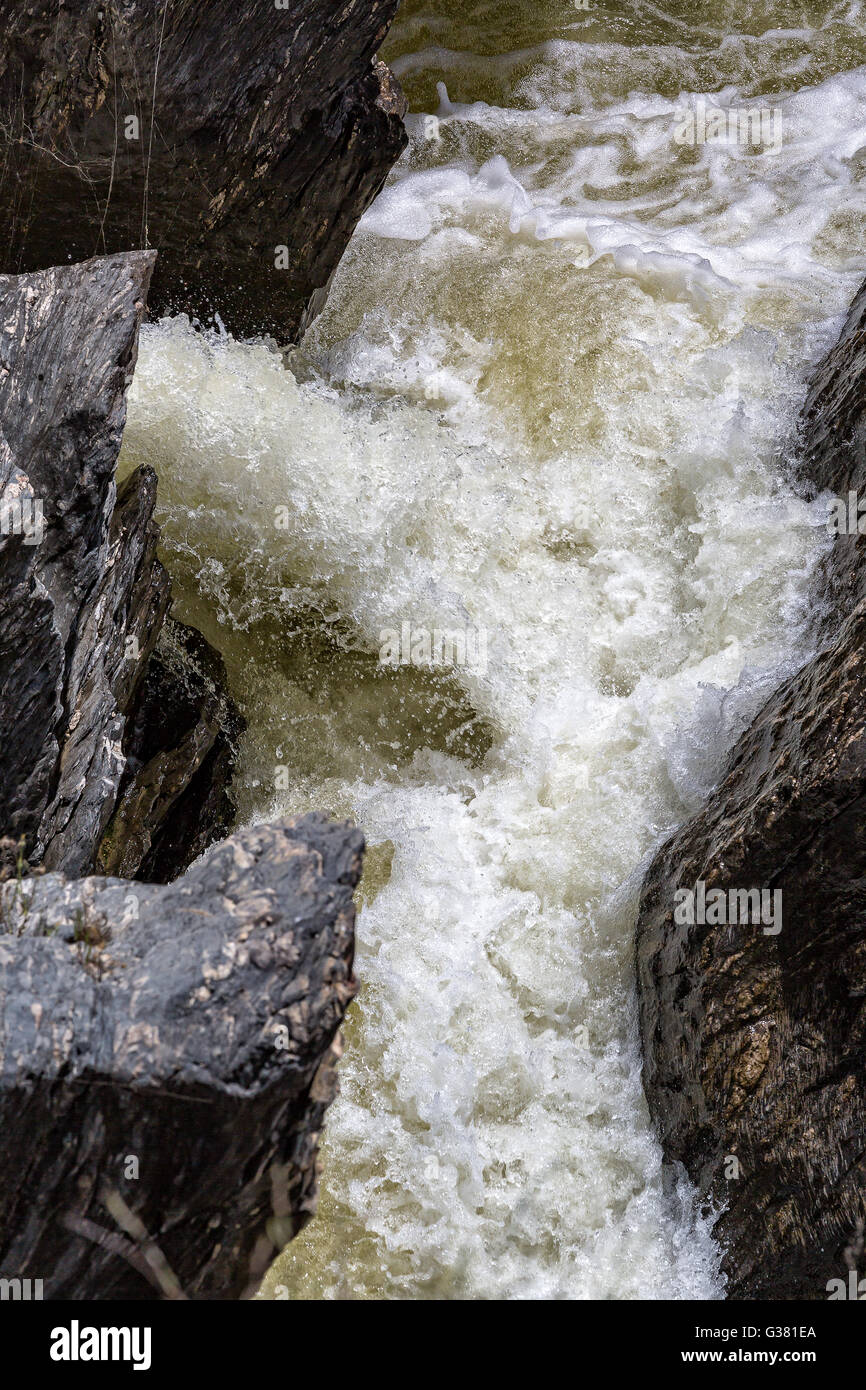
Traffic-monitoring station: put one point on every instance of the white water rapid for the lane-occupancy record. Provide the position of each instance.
(548, 401)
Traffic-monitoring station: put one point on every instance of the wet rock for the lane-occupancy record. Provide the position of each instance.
(70, 597)
(166, 1058)
(83, 602)
(166, 1052)
(243, 140)
(834, 460)
(179, 748)
(754, 1032)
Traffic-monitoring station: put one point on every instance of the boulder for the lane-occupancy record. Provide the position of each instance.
(166, 1058)
(242, 139)
(180, 744)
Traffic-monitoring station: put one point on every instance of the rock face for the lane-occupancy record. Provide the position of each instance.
(166, 1058)
(754, 1033)
(834, 457)
(241, 138)
(83, 597)
(179, 749)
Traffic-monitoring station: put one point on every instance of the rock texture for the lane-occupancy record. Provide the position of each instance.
(179, 749)
(166, 1057)
(834, 458)
(82, 605)
(754, 1040)
(217, 133)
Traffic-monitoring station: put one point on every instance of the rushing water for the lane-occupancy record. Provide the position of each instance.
(549, 400)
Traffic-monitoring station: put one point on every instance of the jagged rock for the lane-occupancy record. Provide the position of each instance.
(179, 752)
(191, 1028)
(215, 132)
(83, 603)
(755, 1039)
(68, 339)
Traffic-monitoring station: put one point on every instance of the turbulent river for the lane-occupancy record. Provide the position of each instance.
(548, 406)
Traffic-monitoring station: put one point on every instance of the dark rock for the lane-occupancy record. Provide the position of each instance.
(253, 127)
(13, 863)
(834, 457)
(106, 653)
(82, 607)
(179, 751)
(189, 1027)
(755, 1039)
(68, 340)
